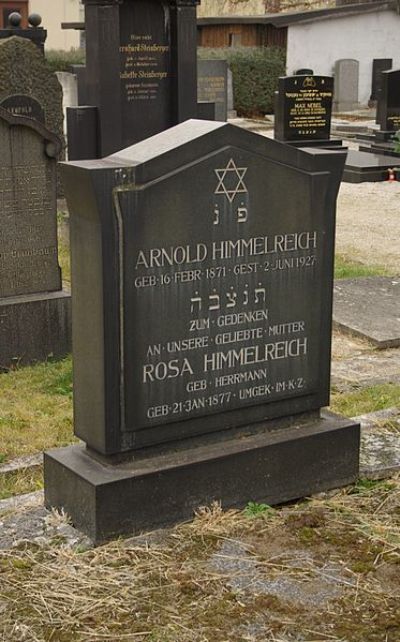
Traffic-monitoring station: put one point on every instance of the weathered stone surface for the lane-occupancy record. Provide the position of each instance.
(346, 85)
(35, 313)
(380, 443)
(24, 72)
(25, 522)
(370, 308)
(28, 212)
(368, 369)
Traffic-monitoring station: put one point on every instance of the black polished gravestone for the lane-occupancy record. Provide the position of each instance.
(35, 316)
(141, 60)
(378, 65)
(389, 102)
(303, 110)
(202, 307)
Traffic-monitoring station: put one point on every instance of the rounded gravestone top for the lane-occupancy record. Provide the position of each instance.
(35, 20)
(14, 19)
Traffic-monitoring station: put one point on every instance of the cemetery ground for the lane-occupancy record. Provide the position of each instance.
(325, 568)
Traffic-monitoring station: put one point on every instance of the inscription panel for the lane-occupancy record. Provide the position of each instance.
(145, 73)
(217, 291)
(28, 225)
(21, 105)
(213, 85)
(305, 106)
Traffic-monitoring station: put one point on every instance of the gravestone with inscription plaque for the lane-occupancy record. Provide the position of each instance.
(141, 70)
(34, 310)
(213, 85)
(202, 307)
(303, 110)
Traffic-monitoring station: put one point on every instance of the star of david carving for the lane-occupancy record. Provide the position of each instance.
(231, 180)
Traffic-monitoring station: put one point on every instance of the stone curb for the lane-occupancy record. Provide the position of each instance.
(22, 463)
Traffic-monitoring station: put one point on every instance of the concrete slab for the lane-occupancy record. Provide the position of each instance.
(380, 443)
(369, 307)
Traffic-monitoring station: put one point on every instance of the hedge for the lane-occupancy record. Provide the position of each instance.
(255, 73)
(59, 60)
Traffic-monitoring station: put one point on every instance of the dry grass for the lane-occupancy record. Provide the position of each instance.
(167, 588)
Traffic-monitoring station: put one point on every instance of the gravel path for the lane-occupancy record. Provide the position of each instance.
(368, 223)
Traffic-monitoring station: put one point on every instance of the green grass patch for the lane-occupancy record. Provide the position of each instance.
(64, 258)
(346, 268)
(360, 402)
(35, 408)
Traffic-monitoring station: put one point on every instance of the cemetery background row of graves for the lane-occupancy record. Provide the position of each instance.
(224, 175)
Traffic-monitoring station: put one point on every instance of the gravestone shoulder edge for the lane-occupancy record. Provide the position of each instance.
(23, 121)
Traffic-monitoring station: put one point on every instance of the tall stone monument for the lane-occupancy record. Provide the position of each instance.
(346, 85)
(35, 319)
(202, 308)
(141, 61)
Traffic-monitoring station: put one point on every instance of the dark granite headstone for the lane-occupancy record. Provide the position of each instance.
(389, 108)
(378, 65)
(304, 72)
(140, 67)
(34, 311)
(201, 329)
(304, 108)
(367, 166)
(213, 85)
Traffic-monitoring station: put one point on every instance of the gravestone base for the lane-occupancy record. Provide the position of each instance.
(271, 466)
(34, 327)
(324, 144)
(363, 166)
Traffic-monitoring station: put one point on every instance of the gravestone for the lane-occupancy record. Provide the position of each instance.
(213, 85)
(303, 109)
(378, 65)
(140, 68)
(27, 86)
(389, 103)
(34, 310)
(304, 72)
(346, 85)
(201, 329)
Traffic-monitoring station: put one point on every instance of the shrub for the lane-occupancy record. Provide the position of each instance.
(59, 60)
(255, 73)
